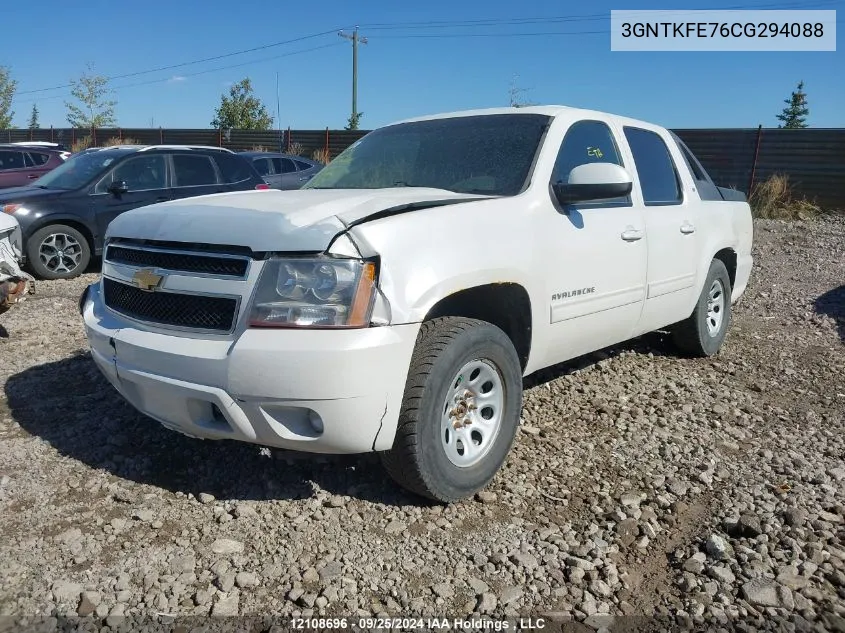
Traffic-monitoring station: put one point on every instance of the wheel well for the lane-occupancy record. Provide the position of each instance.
(728, 257)
(505, 305)
(79, 226)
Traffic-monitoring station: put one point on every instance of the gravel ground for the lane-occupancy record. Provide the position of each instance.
(708, 491)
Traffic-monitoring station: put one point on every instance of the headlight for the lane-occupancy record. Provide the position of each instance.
(314, 292)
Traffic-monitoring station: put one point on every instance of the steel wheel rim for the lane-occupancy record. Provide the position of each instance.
(472, 413)
(715, 307)
(60, 253)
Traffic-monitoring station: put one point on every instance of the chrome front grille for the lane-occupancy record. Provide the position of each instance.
(197, 312)
(216, 264)
(187, 287)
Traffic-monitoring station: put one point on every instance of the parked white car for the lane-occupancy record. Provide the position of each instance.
(15, 284)
(395, 303)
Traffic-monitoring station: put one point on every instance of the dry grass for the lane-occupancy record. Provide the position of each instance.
(81, 144)
(321, 155)
(259, 148)
(114, 140)
(775, 199)
(296, 149)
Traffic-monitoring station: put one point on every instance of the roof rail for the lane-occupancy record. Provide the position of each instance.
(212, 147)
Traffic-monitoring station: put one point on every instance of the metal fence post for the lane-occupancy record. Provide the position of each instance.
(754, 162)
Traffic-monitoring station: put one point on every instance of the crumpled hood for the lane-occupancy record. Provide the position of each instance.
(270, 220)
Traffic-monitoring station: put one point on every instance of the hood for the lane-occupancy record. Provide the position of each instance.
(19, 194)
(271, 220)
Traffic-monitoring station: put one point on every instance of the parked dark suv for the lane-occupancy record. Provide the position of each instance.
(64, 214)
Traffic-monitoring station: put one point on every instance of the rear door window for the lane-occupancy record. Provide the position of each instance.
(263, 166)
(233, 168)
(193, 170)
(35, 159)
(302, 165)
(658, 176)
(11, 160)
(284, 165)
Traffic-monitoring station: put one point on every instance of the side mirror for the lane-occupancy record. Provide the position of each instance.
(118, 187)
(593, 181)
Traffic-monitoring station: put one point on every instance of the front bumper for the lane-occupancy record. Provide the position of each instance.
(329, 391)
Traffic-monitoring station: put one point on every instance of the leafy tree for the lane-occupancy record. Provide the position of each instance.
(241, 109)
(33, 118)
(353, 121)
(7, 92)
(794, 115)
(94, 109)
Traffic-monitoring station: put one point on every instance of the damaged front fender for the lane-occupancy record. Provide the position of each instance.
(15, 285)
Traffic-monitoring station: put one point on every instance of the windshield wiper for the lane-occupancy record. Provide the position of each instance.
(481, 192)
(402, 183)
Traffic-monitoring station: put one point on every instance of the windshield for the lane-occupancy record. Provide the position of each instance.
(488, 154)
(78, 170)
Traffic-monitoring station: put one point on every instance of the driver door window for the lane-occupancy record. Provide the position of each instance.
(588, 142)
(142, 173)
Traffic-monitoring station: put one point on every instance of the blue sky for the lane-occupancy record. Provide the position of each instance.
(399, 76)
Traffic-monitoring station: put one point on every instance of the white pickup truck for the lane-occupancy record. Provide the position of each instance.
(395, 303)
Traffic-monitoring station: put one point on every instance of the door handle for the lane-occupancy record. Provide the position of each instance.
(687, 228)
(632, 235)
(32, 176)
(305, 177)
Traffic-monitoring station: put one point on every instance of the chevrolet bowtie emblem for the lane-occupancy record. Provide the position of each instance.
(147, 280)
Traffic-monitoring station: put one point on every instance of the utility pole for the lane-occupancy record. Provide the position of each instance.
(278, 113)
(356, 39)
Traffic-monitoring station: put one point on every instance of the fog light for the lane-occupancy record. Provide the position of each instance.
(316, 422)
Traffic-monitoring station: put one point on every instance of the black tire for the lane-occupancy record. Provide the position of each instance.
(418, 460)
(60, 267)
(693, 336)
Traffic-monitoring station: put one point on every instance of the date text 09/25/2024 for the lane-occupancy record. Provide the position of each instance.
(425, 624)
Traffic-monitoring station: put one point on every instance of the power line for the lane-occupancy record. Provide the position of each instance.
(194, 74)
(439, 24)
(191, 63)
(534, 34)
(482, 22)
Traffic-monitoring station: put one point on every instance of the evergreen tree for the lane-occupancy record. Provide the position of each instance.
(33, 118)
(794, 115)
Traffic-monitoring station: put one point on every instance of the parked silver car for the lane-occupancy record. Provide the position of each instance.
(283, 171)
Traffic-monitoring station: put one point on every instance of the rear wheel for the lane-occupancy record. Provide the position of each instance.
(58, 251)
(703, 333)
(460, 412)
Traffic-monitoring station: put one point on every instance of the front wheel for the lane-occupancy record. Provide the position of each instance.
(460, 412)
(58, 251)
(704, 331)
